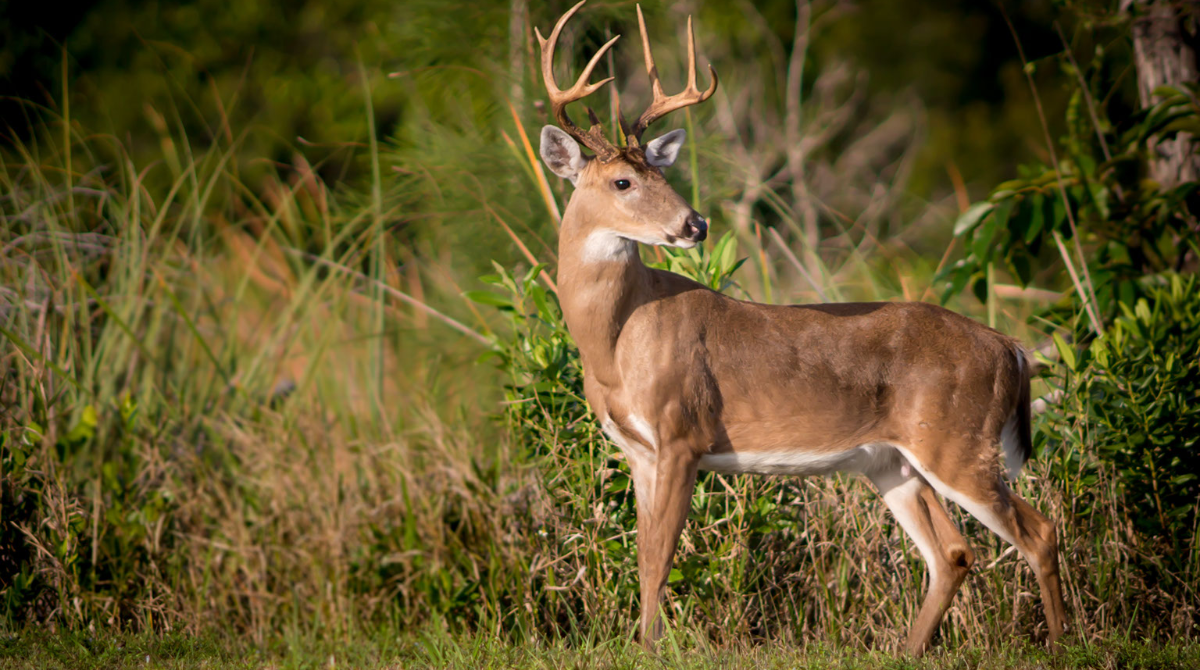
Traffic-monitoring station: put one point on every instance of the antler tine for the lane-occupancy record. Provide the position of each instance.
(651, 69)
(691, 85)
(593, 138)
(664, 104)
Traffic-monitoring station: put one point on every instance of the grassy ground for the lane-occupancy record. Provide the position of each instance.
(433, 650)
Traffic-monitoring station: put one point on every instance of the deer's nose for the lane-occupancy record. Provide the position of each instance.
(695, 228)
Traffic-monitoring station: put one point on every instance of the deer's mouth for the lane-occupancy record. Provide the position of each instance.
(694, 231)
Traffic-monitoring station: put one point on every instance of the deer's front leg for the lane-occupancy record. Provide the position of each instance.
(660, 521)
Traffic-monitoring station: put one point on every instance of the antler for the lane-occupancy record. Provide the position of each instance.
(663, 104)
(594, 138)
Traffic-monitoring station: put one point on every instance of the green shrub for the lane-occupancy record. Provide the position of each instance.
(1119, 450)
(1139, 395)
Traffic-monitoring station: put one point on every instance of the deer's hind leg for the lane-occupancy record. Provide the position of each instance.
(947, 556)
(1008, 515)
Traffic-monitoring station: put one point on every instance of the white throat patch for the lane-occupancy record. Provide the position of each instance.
(606, 245)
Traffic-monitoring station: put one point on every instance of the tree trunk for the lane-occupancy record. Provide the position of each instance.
(1164, 57)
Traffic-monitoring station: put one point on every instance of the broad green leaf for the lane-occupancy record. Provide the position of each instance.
(1011, 185)
(618, 484)
(1167, 92)
(1065, 351)
(1142, 310)
(959, 274)
(531, 275)
(737, 264)
(539, 301)
(1058, 213)
(1087, 164)
(1021, 268)
(1187, 124)
(85, 429)
(980, 288)
(971, 218)
(1037, 217)
(488, 298)
(506, 279)
(981, 244)
(728, 255)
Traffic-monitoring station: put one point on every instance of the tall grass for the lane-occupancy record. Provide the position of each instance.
(258, 408)
(192, 431)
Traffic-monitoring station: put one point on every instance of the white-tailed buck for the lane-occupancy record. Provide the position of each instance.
(682, 378)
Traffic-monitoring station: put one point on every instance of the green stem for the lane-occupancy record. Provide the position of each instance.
(694, 163)
(991, 295)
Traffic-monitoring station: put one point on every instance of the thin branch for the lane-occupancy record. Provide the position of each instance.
(1091, 104)
(1090, 304)
(799, 266)
(1087, 94)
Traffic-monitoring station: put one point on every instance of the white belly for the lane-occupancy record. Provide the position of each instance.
(866, 458)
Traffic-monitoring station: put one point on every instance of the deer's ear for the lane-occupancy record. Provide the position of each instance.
(561, 153)
(662, 151)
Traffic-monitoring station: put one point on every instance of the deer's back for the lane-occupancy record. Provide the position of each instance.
(833, 375)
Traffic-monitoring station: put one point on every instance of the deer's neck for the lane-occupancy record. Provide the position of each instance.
(601, 281)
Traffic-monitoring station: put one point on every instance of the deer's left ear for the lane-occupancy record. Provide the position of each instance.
(662, 151)
(561, 153)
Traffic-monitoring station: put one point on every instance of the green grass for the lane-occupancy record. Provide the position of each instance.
(429, 649)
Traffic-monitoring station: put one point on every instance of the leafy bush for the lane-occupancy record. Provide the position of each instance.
(1138, 390)
(1098, 191)
(1120, 442)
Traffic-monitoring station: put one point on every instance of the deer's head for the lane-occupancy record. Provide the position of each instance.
(622, 188)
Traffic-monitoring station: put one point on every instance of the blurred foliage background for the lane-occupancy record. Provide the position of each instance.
(282, 71)
(251, 378)
(286, 79)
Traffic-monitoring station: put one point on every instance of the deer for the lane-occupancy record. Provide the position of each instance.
(916, 398)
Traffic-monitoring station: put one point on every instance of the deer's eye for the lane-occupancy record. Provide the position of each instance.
(622, 184)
